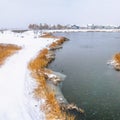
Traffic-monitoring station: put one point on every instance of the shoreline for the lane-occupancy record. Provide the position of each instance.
(81, 30)
(64, 104)
(63, 30)
(58, 105)
(36, 99)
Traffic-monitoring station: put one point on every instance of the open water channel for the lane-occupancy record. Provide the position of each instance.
(90, 83)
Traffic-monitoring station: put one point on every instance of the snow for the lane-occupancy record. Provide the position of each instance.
(84, 30)
(16, 84)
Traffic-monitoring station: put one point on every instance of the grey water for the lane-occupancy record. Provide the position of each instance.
(90, 83)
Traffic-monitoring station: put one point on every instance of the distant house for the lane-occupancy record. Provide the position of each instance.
(75, 27)
(90, 26)
(109, 27)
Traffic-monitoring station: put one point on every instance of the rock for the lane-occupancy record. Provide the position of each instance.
(117, 66)
(71, 107)
(57, 47)
(55, 80)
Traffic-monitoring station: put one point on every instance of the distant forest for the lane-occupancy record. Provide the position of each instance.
(47, 27)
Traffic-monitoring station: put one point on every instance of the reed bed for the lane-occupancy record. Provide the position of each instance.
(51, 107)
(117, 57)
(59, 42)
(7, 50)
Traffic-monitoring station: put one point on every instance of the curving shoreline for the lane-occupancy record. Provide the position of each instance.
(31, 81)
(49, 81)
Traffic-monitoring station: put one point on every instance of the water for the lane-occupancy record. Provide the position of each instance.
(90, 83)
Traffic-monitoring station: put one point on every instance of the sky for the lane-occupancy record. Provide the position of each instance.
(21, 13)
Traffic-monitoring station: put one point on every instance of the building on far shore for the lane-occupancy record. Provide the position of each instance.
(45, 26)
(75, 27)
(92, 26)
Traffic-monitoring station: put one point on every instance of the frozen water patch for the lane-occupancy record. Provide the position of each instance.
(57, 88)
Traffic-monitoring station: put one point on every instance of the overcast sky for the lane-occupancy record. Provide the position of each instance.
(19, 13)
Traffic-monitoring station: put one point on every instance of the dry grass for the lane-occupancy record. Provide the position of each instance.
(54, 110)
(41, 90)
(59, 42)
(7, 50)
(40, 61)
(51, 107)
(69, 116)
(117, 57)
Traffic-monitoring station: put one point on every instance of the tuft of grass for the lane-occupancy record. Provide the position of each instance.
(117, 57)
(68, 116)
(59, 42)
(54, 108)
(40, 61)
(7, 50)
(41, 90)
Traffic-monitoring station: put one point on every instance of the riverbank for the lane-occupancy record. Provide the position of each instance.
(14, 75)
(82, 30)
(32, 90)
(55, 106)
(66, 30)
(16, 83)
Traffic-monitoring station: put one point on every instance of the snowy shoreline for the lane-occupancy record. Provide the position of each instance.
(83, 30)
(17, 101)
(64, 30)
(19, 82)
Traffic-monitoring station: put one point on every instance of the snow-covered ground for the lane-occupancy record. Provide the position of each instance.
(84, 30)
(16, 84)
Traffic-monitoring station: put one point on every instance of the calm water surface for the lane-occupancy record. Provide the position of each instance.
(90, 83)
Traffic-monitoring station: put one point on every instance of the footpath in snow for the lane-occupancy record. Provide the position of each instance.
(16, 84)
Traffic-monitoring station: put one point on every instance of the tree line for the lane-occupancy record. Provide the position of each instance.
(47, 27)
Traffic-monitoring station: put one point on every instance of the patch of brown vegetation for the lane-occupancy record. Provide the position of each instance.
(59, 42)
(7, 50)
(40, 61)
(117, 57)
(51, 107)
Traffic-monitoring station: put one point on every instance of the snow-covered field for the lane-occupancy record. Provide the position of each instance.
(16, 85)
(84, 30)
